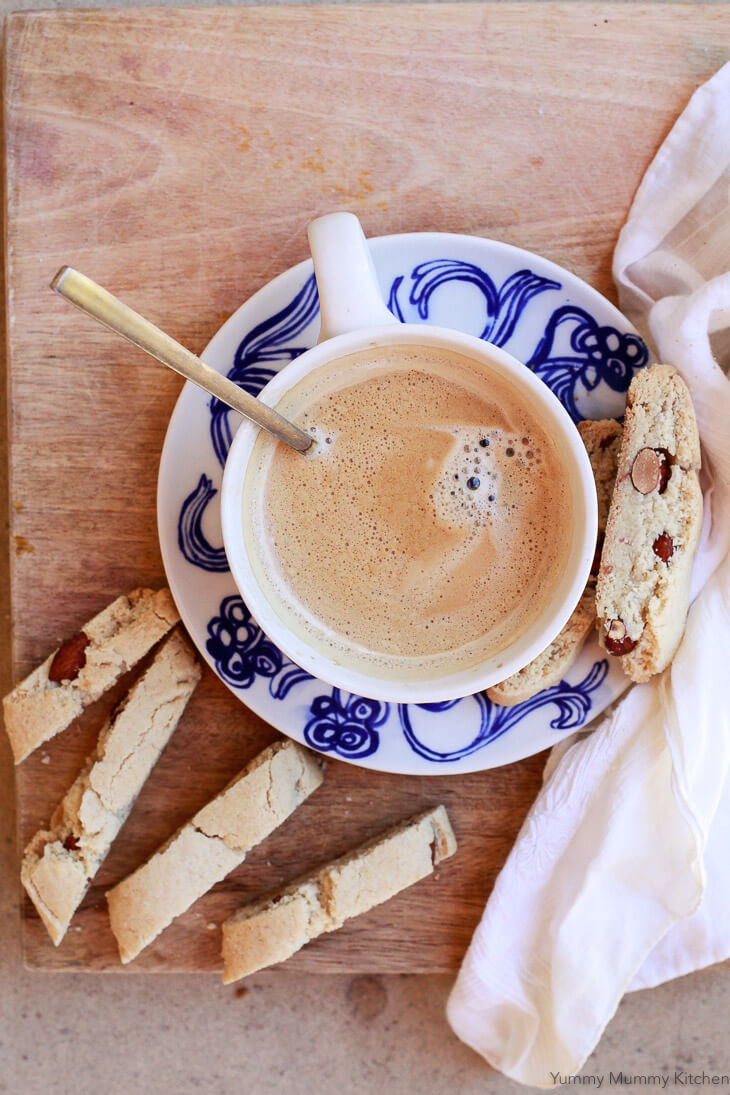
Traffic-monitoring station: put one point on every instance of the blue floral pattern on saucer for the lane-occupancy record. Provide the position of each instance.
(345, 724)
(573, 339)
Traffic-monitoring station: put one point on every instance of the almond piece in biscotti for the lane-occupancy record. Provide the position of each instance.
(70, 659)
(650, 470)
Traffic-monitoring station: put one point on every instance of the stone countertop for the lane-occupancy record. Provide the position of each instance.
(285, 1033)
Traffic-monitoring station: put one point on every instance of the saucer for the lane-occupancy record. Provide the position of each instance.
(561, 328)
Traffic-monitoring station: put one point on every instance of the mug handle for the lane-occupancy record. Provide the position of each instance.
(349, 294)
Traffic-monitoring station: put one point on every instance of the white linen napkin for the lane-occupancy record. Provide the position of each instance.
(620, 877)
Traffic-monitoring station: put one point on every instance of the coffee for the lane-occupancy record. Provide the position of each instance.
(427, 526)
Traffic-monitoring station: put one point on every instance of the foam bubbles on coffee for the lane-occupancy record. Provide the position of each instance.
(424, 529)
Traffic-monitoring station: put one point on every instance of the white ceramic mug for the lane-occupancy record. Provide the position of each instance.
(354, 317)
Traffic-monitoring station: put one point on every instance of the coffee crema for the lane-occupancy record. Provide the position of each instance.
(425, 529)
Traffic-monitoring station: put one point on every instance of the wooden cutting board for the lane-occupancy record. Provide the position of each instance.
(176, 157)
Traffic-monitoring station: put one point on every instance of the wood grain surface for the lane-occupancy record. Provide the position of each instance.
(176, 156)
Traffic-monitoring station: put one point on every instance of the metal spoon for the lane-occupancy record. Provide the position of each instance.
(102, 306)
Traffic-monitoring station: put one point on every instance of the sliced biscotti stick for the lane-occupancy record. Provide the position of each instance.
(60, 863)
(602, 440)
(211, 844)
(274, 928)
(85, 667)
(653, 527)
(551, 665)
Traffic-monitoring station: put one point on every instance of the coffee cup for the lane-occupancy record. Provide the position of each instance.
(356, 326)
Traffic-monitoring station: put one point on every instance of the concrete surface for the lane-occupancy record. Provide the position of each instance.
(291, 1034)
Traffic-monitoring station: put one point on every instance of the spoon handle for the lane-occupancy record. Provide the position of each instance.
(102, 306)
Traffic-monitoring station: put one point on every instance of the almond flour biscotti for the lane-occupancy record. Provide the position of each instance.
(85, 667)
(602, 440)
(60, 863)
(274, 928)
(653, 527)
(211, 844)
(551, 665)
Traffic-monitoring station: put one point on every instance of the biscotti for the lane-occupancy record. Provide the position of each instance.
(211, 844)
(60, 863)
(274, 928)
(602, 440)
(551, 664)
(653, 527)
(85, 667)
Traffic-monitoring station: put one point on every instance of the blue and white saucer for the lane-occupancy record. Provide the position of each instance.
(563, 330)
